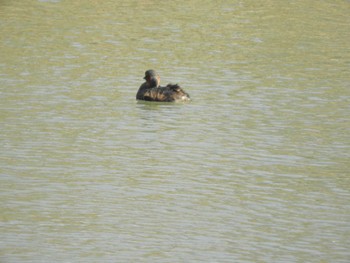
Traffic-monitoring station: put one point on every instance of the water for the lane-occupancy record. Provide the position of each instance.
(254, 169)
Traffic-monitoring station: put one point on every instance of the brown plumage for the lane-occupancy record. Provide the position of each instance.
(152, 91)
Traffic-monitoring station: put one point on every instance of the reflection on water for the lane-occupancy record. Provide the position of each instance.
(254, 169)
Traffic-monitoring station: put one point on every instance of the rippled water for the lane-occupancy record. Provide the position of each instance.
(254, 169)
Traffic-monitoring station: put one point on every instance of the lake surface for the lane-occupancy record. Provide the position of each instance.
(254, 169)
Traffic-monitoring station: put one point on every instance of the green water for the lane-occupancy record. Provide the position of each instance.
(254, 169)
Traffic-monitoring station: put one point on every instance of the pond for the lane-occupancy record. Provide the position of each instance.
(254, 169)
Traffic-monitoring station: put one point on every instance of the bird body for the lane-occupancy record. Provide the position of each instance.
(152, 91)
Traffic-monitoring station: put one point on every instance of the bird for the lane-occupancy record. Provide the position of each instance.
(152, 91)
